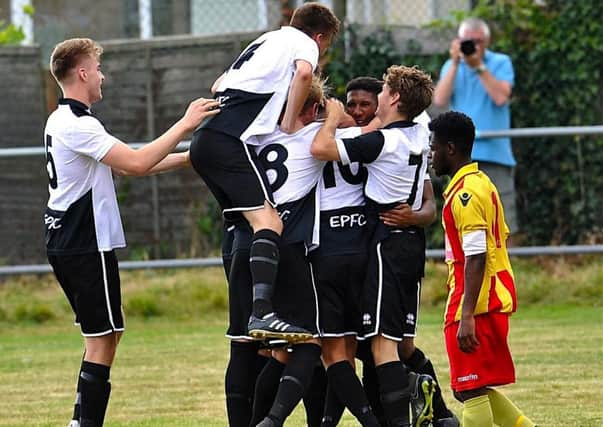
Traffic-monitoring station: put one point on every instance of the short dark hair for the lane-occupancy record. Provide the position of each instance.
(455, 127)
(414, 86)
(67, 53)
(368, 84)
(314, 18)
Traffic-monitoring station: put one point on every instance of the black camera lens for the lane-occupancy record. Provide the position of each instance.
(468, 47)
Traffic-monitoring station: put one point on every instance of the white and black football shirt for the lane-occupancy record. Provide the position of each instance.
(396, 160)
(293, 175)
(254, 90)
(342, 215)
(82, 214)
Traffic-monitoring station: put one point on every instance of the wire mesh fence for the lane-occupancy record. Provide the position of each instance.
(401, 12)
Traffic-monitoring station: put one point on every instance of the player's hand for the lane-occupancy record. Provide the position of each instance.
(198, 110)
(347, 121)
(465, 336)
(455, 51)
(335, 110)
(400, 216)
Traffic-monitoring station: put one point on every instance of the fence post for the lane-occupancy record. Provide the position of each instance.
(150, 137)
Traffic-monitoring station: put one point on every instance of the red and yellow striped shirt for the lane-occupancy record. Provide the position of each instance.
(472, 203)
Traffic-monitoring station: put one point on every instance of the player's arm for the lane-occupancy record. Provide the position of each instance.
(298, 92)
(374, 124)
(475, 266)
(170, 162)
(139, 162)
(324, 146)
(403, 215)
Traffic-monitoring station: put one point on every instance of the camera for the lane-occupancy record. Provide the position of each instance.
(468, 47)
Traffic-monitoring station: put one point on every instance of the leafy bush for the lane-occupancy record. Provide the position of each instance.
(34, 312)
(11, 34)
(144, 306)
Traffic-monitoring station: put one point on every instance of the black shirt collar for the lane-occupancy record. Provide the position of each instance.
(400, 124)
(78, 108)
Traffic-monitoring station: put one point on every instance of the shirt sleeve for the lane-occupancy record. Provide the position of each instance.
(364, 148)
(474, 242)
(90, 138)
(469, 212)
(504, 70)
(351, 132)
(307, 51)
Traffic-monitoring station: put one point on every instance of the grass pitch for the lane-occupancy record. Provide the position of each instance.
(170, 365)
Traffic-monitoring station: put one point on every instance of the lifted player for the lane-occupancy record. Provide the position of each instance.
(274, 69)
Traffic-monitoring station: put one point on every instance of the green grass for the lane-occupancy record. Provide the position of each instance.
(170, 365)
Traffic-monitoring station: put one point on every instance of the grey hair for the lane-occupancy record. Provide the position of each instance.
(474, 24)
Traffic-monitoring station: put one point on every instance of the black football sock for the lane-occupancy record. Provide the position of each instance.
(95, 389)
(333, 408)
(370, 384)
(294, 382)
(420, 364)
(349, 390)
(263, 263)
(266, 386)
(240, 382)
(394, 393)
(315, 396)
(78, 395)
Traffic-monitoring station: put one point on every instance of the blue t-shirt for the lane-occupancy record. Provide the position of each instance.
(470, 97)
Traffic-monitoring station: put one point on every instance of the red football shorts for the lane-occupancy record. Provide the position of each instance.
(490, 364)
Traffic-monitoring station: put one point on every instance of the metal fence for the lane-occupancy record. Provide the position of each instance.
(413, 13)
(431, 253)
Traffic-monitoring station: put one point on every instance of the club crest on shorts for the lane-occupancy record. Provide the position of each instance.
(410, 319)
(366, 319)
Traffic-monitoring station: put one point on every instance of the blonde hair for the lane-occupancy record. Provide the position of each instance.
(414, 86)
(316, 95)
(66, 55)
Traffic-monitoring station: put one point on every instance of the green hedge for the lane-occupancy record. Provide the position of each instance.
(557, 53)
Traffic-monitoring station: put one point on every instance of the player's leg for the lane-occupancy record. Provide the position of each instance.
(423, 385)
(417, 362)
(477, 411)
(242, 371)
(315, 396)
(239, 184)
(344, 381)
(299, 301)
(294, 382)
(100, 349)
(504, 411)
(240, 381)
(266, 387)
(369, 380)
(94, 384)
(264, 256)
(75, 418)
(394, 386)
(92, 286)
(471, 373)
(384, 322)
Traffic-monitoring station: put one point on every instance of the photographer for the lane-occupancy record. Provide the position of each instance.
(478, 82)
